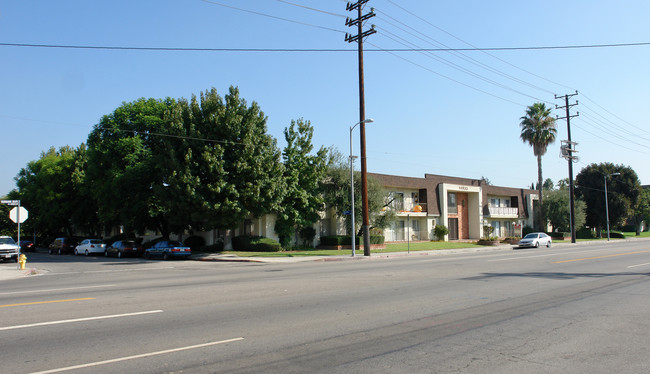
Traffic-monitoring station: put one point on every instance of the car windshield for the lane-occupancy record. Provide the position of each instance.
(7, 241)
(530, 236)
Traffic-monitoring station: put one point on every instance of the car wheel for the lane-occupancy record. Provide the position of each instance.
(105, 253)
(49, 251)
(548, 244)
(76, 253)
(146, 255)
(58, 251)
(119, 254)
(165, 256)
(536, 244)
(86, 253)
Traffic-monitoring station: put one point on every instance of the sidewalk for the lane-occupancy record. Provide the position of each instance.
(10, 271)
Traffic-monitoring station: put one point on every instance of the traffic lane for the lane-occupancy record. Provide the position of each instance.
(312, 306)
(253, 316)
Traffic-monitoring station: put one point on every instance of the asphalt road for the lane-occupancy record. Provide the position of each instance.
(571, 309)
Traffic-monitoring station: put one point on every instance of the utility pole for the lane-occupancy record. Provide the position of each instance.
(358, 38)
(568, 148)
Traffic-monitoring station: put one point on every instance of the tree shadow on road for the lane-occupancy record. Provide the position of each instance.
(552, 275)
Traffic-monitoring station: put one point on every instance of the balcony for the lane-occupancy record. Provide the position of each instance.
(409, 209)
(503, 212)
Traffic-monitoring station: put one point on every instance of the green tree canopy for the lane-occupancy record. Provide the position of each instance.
(558, 210)
(303, 171)
(49, 189)
(226, 167)
(336, 189)
(622, 192)
(126, 169)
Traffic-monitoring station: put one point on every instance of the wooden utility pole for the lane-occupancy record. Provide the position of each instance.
(568, 148)
(358, 38)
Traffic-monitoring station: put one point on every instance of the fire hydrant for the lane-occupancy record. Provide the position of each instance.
(22, 260)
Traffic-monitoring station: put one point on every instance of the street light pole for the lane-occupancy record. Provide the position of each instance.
(354, 234)
(606, 205)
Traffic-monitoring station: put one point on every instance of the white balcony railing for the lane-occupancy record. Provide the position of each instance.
(501, 211)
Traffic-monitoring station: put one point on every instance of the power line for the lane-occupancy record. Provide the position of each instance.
(189, 49)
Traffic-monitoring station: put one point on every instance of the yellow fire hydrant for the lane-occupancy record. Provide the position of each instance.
(22, 260)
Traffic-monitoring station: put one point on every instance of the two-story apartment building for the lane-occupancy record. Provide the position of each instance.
(463, 205)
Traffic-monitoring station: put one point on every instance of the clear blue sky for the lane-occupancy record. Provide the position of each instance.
(451, 113)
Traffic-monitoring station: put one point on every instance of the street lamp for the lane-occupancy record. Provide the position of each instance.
(354, 234)
(606, 205)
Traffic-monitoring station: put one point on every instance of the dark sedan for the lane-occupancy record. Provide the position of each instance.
(123, 248)
(168, 249)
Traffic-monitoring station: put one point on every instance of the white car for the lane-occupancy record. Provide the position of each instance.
(535, 239)
(8, 249)
(90, 246)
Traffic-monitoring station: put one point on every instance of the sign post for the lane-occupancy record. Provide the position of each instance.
(18, 214)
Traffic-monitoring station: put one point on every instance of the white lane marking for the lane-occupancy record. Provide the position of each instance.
(109, 271)
(523, 256)
(137, 356)
(633, 266)
(79, 320)
(57, 289)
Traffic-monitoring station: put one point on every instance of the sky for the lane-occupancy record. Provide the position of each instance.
(450, 112)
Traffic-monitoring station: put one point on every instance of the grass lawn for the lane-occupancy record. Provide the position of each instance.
(393, 247)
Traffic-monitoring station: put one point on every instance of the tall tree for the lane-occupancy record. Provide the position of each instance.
(336, 190)
(227, 168)
(303, 171)
(557, 208)
(641, 211)
(125, 172)
(623, 192)
(538, 130)
(47, 188)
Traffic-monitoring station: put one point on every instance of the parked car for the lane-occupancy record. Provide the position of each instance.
(90, 246)
(27, 246)
(124, 248)
(535, 239)
(168, 249)
(8, 248)
(64, 244)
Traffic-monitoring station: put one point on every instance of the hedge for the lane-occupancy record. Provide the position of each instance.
(247, 243)
(616, 235)
(335, 240)
(559, 235)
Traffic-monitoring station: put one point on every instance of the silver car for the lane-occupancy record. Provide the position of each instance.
(90, 246)
(535, 239)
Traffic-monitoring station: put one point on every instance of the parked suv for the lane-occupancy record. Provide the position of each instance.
(8, 248)
(62, 245)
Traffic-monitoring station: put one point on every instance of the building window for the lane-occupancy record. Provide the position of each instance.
(452, 206)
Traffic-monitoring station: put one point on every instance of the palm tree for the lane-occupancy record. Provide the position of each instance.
(538, 130)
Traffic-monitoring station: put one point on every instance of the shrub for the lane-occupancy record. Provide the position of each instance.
(212, 248)
(440, 231)
(527, 230)
(334, 240)
(616, 235)
(558, 235)
(585, 233)
(247, 243)
(307, 234)
(195, 242)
